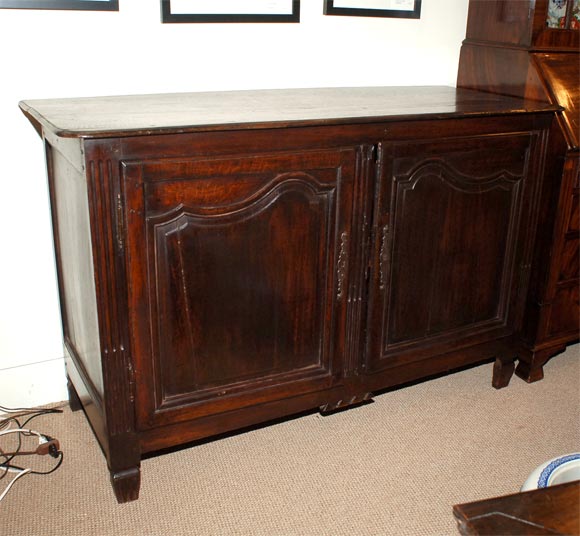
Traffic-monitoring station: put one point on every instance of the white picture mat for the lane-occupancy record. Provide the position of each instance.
(231, 7)
(399, 5)
(40, 2)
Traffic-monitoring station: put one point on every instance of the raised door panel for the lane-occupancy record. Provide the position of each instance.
(569, 257)
(238, 268)
(72, 235)
(574, 223)
(570, 261)
(450, 226)
(565, 313)
(564, 308)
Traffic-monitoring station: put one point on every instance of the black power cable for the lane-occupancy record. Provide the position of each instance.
(48, 445)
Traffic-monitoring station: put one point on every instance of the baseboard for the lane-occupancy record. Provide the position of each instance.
(32, 385)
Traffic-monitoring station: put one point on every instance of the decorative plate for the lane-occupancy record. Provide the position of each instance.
(555, 471)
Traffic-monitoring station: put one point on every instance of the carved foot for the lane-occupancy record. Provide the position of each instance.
(343, 404)
(531, 366)
(73, 398)
(503, 369)
(530, 372)
(126, 484)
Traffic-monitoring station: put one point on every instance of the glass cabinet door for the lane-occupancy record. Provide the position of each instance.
(563, 14)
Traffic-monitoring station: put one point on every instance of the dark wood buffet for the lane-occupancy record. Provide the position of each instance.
(225, 259)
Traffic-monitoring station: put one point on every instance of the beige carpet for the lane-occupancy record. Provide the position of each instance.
(394, 467)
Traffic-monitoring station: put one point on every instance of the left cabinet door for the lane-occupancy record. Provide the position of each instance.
(237, 267)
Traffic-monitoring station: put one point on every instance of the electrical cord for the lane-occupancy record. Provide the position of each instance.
(9, 486)
(4, 409)
(34, 472)
(46, 444)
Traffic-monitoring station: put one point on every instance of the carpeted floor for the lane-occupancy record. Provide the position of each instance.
(393, 467)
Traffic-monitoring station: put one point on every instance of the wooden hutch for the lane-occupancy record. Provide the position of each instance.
(530, 48)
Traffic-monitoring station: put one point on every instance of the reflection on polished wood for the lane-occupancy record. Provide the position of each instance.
(551, 510)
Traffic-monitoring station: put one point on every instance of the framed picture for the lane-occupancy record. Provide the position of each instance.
(88, 5)
(230, 10)
(404, 9)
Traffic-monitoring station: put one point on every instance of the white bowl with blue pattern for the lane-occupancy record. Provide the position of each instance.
(558, 470)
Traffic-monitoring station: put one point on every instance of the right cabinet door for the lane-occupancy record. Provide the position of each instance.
(452, 232)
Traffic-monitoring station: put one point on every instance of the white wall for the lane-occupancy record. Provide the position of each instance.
(46, 54)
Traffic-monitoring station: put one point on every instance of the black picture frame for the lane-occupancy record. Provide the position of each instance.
(168, 17)
(331, 9)
(82, 5)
